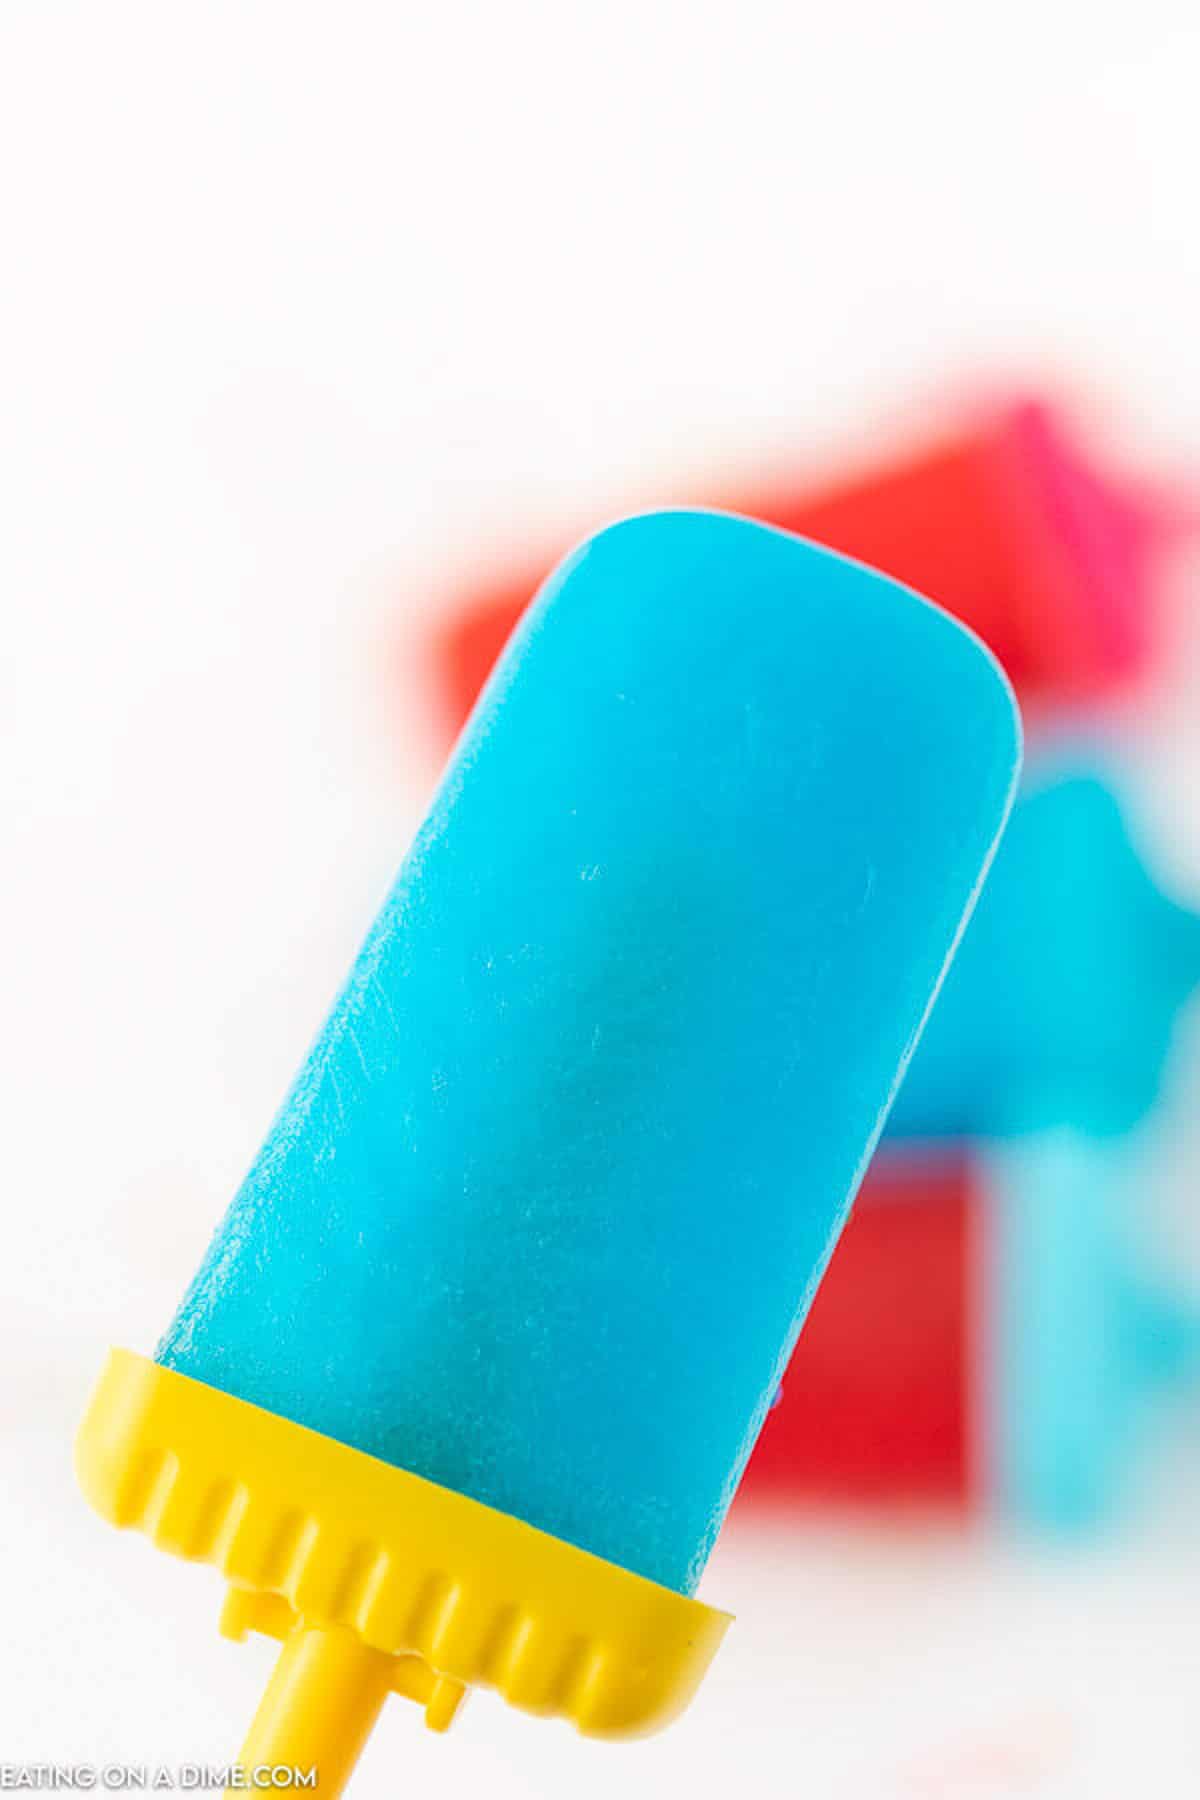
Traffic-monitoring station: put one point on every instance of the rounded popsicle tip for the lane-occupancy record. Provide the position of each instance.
(741, 584)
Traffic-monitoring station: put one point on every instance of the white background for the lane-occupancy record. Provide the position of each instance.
(306, 312)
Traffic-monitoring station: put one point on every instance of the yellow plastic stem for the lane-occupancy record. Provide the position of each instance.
(320, 1705)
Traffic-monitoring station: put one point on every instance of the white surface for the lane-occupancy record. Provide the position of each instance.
(302, 310)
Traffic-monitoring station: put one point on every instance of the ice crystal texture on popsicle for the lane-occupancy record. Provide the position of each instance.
(545, 1208)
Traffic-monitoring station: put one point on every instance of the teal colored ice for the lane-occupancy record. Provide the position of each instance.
(1049, 1049)
(1063, 1002)
(544, 1211)
(1085, 1336)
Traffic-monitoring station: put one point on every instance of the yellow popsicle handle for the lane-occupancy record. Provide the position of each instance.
(319, 1707)
(377, 1581)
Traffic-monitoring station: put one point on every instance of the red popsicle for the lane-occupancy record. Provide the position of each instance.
(876, 1403)
(1004, 522)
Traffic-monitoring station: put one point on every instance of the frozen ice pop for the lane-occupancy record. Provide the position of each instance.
(1064, 1000)
(530, 1241)
(1050, 1046)
(1086, 1334)
(998, 1317)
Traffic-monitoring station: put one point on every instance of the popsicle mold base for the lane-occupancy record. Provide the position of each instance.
(376, 1580)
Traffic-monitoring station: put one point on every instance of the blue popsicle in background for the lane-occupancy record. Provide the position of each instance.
(1048, 1050)
(545, 1208)
(1086, 1331)
(1062, 1003)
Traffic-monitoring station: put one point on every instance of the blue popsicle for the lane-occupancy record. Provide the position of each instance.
(1084, 1334)
(546, 1206)
(1048, 1045)
(1063, 1000)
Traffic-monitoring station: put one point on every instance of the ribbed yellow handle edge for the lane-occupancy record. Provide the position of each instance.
(364, 1570)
